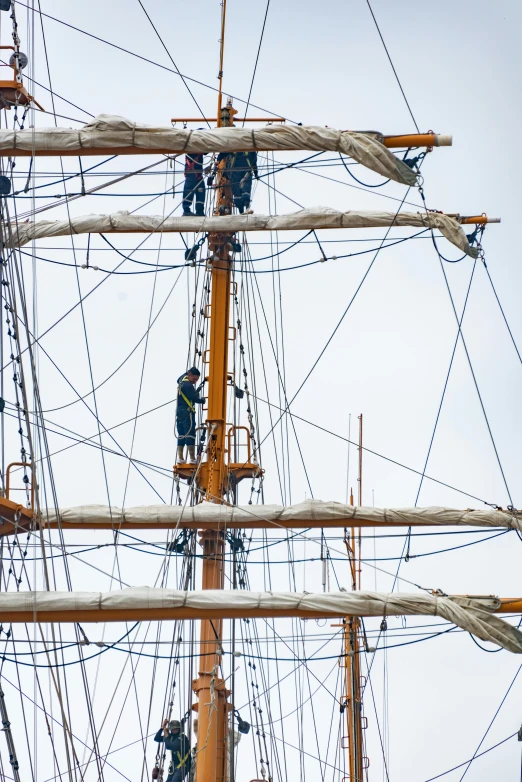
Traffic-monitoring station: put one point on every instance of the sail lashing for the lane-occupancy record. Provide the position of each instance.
(108, 134)
(476, 615)
(315, 218)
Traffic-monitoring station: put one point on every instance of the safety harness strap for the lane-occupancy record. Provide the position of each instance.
(182, 395)
(182, 761)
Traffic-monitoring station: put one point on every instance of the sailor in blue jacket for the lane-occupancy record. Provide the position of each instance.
(188, 398)
(239, 168)
(175, 740)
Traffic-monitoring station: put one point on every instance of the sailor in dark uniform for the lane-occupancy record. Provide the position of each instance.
(188, 398)
(239, 169)
(175, 740)
(194, 184)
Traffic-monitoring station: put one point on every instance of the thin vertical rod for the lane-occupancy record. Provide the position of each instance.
(348, 458)
(360, 459)
(221, 60)
(359, 534)
(352, 626)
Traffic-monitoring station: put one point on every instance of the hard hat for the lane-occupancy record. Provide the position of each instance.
(174, 724)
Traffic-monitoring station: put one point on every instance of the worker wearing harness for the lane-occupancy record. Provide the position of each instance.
(194, 183)
(175, 740)
(239, 169)
(188, 398)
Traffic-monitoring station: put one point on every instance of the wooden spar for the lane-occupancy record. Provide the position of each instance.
(15, 518)
(266, 120)
(392, 142)
(310, 219)
(482, 219)
(418, 140)
(508, 605)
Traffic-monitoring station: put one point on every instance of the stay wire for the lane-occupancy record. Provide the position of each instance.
(173, 63)
(393, 66)
(105, 429)
(256, 62)
(283, 387)
(202, 261)
(147, 60)
(502, 311)
(475, 382)
(144, 360)
(95, 288)
(491, 723)
(449, 771)
(442, 399)
(330, 338)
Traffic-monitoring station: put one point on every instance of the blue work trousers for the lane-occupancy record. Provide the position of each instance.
(186, 426)
(194, 189)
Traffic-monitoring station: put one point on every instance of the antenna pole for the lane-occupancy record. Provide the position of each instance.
(357, 762)
(359, 479)
(221, 60)
(348, 458)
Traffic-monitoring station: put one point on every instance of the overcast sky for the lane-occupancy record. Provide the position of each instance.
(323, 64)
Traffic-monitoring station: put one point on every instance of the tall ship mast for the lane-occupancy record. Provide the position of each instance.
(258, 645)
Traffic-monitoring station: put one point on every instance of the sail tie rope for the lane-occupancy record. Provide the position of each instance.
(187, 140)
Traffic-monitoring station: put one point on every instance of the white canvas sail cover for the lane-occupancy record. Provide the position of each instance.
(471, 614)
(300, 515)
(113, 132)
(314, 218)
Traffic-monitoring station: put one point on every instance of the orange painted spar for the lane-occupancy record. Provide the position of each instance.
(392, 142)
(8, 510)
(100, 151)
(478, 220)
(268, 120)
(212, 616)
(412, 140)
(13, 516)
(23, 524)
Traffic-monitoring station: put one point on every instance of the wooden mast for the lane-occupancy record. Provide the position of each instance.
(212, 706)
(352, 701)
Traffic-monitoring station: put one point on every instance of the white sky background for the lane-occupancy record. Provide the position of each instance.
(320, 64)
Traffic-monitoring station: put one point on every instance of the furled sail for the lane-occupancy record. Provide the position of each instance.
(473, 614)
(114, 134)
(304, 514)
(315, 218)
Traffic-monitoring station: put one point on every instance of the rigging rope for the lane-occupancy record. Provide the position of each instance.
(151, 62)
(393, 67)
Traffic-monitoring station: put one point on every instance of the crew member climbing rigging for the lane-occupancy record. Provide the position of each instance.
(188, 398)
(239, 168)
(194, 187)
(172, 736)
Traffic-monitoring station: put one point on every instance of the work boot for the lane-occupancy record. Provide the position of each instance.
(191, 454)
(187, 213)
(180, 458)
(200, 213)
